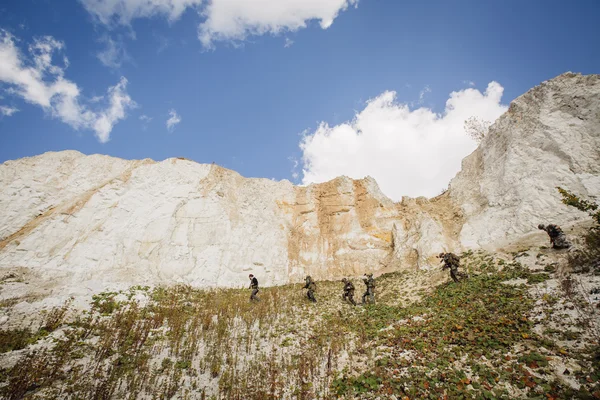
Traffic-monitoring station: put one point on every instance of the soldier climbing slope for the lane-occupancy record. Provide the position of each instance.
(452, 262)
(254, 287)
(557, 237)
(348, 295)
(370, 292)
(312, 287)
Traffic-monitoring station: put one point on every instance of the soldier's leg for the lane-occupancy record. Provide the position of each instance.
(561, 242)
(253, 295)
(371, 296)
(364, 296)
(311, 296)
(453, 275)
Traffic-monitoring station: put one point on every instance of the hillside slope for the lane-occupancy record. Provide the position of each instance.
(522, 326)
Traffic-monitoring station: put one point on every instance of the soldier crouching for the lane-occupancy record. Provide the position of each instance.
(557, 237)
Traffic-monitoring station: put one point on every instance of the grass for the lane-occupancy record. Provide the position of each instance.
(475, 339)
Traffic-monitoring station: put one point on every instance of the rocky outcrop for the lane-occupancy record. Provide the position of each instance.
(549, 137)
(79, 224)
(91, 222)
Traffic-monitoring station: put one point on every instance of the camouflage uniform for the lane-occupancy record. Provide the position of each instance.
(254, 287)
(452, 261)
(370, 293)
(348, 295)
(312, 287)
(557, 237)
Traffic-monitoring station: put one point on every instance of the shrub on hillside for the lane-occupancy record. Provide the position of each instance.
(589, 255)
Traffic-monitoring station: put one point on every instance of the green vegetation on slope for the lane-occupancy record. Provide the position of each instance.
(470, 340)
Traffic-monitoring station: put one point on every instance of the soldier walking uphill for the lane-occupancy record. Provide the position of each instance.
(557, 237)
(312, 287)
(254, 287)
(348, 295)
(452, 262)
(370, 292)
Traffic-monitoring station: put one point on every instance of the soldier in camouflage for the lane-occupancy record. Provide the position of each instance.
(312, 287)
(370, 292)
(557, 237)
(348, 295)
(254, 287)
(452, 262)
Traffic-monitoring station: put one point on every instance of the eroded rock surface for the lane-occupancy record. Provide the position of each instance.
(72, 224)
(549, 137)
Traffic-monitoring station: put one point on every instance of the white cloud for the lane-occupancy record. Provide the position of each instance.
(163, 43)
(124, 11)
(96, 99)
(238, 19)
(173, 120)
(114, 53)
(225, 20)
(423, 92)
(410, 152)
(8, 111)
(145, 121)
(37, 80)
(119, 103)
(295, 174)
(469, 83)
(288, 43)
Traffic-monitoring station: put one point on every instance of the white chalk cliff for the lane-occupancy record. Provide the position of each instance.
(78, 224)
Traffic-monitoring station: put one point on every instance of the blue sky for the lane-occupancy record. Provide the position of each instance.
(247, 94)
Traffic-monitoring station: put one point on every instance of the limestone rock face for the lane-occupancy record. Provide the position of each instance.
(82, 224)
(72, 224)
(549, 137)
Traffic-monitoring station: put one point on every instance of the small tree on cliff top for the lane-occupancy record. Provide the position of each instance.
(477, 128)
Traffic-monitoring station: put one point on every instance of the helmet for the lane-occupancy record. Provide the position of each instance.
(250, 275)
(344, 280)
(541, 226)
(440, 255)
